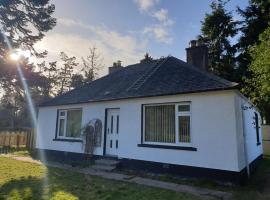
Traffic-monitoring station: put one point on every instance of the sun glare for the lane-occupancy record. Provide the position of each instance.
(16, 55)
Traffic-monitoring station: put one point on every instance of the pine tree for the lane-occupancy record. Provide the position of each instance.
(66, 72)
(22, 24)
(256, 17)
(217, 29)
(50, 73)
(77, 80)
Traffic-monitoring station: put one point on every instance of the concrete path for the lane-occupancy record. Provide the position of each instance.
(193, 190)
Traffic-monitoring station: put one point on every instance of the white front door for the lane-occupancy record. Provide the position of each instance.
(112, 142)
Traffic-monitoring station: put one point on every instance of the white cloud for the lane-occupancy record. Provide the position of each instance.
(162, 16)
(112, 45)
(145, 5)
(160, 33)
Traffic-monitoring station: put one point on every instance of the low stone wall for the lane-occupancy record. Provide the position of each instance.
(266, 139)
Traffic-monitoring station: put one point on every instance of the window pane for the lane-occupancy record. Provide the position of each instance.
(117, 124)
(183, 108)
(74, 119)
(112, 124)
(160, 123)
(184, 128)
(61, 127)
(62, 113)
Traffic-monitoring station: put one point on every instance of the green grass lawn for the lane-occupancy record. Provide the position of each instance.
(22, 180)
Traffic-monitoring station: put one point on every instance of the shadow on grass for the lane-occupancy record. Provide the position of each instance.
(23, 188)
(67, 185)
(26, 188)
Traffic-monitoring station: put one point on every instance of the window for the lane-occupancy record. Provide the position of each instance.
(69, 123)
(257, 128)
(167, 123)
(183, 123)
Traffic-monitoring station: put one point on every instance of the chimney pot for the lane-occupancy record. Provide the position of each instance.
(192, 43)
(199, 43)
(119, 63)
(116, 66)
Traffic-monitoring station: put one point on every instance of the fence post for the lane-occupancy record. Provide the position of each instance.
(27, 139)
(30, 139)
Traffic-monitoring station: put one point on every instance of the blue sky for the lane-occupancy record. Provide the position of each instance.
(126, 29)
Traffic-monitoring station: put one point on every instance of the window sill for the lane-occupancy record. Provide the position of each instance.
(168, 147)
(67, 140)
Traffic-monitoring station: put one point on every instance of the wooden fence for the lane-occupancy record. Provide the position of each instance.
(266, 139)
(16, 139)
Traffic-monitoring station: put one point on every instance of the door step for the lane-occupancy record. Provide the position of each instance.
(105, 164)
(103, 167)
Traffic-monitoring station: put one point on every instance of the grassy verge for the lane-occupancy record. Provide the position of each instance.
(22, 180)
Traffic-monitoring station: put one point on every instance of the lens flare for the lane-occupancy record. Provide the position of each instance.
(15, 56)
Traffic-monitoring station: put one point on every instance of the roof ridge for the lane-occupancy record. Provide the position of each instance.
(143, 78)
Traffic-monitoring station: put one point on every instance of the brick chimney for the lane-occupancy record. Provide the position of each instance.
(197, 54)
(116, 66)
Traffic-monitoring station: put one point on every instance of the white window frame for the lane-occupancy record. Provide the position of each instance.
(177, 143)
(183, 113)
(65, 123)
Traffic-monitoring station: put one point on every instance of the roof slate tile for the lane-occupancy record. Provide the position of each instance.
(165, 76)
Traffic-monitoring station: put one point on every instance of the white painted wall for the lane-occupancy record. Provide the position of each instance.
(253, 150)
(214, 130)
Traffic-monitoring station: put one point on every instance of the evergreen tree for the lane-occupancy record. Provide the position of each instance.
(256, 17)
(217, 29)
(66, 72)
(50, 80)
(147, 58)
(77, 80)
(22, 24)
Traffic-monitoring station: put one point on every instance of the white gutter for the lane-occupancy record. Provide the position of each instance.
(244, 137)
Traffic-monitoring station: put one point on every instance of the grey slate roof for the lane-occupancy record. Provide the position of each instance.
(165, 76)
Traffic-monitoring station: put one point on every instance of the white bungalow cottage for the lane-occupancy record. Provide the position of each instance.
(161, 115)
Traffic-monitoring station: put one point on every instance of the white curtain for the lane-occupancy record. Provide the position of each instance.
(160, 123)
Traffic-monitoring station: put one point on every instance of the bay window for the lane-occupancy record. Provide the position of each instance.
(69, 123)
(168, 124)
